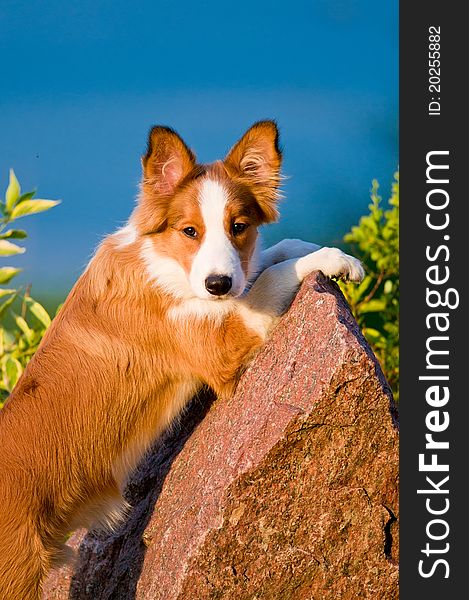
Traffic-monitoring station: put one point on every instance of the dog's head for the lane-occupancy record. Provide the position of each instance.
(199, 222)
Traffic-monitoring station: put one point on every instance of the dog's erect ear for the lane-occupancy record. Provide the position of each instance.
(255, 159)
(167, 161)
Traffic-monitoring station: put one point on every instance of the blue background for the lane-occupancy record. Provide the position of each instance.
(81, 85)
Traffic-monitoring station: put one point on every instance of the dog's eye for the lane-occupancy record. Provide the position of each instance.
(190, 232)
(238, 228)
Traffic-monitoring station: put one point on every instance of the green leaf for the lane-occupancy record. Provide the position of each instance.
(364, 285)
(13, 192)
(28, 332)
(30, 207)
(26, 196)
(372, 335)
(373, 306)
(13, 370)
(18, 234)
(7, 273)
(38, 311)
(6, 304)
(8, 338)
(8, 249)
(6, 292)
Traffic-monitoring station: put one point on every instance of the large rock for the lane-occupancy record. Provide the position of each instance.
(286, 491)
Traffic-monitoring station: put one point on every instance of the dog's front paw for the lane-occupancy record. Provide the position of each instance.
(341, 265)
(333, 263)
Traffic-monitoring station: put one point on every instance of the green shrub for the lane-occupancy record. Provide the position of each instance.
(375, 302)
(23, 321)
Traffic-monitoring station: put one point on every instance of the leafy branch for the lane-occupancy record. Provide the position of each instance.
(375, 302)
(20, 331)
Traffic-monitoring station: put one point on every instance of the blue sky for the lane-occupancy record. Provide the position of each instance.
(81, 84)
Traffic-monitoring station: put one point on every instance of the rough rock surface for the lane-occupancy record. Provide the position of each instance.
(286, 491)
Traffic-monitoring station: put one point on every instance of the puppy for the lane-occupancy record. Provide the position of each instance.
(178, 298)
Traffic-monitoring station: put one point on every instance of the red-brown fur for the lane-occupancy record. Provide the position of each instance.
(113, 370)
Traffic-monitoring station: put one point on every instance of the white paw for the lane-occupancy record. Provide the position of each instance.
(333, 263)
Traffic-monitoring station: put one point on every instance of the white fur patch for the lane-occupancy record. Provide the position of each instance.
(259, 322)
(125, 235)
(216, 255)
(165, 272)
(284, 250)
(215, 310)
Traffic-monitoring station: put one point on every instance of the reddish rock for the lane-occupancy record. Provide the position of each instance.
(286, 491)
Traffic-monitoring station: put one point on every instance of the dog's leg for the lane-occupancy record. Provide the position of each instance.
(231, 344)
(23, 562)
(275, 287)
(224, 347)
(284, 250)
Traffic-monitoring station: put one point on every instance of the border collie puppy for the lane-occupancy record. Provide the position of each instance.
(178, 298)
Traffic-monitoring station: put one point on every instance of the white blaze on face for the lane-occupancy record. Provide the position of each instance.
(217, 255)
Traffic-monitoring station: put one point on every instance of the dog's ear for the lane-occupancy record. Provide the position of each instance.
(255, 160)
(165, 165)
(167, 161)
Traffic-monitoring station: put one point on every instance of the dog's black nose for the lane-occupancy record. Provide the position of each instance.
(218, 285)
